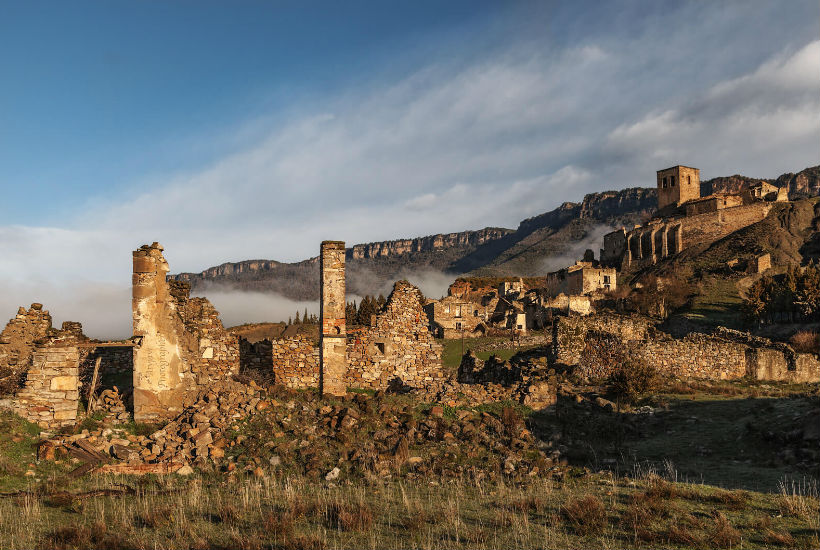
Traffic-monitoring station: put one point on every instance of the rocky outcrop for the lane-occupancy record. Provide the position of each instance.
(599, 207)
(805, 183)
(729, 184)
(426, 244)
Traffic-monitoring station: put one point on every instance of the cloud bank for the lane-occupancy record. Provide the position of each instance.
(460, 143)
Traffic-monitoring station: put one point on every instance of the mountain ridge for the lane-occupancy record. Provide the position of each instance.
(492, 251)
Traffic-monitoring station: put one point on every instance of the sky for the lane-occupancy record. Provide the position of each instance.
(238, 130)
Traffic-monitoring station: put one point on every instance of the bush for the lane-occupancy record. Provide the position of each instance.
(632, 379)
(805, 341)
(587, 515)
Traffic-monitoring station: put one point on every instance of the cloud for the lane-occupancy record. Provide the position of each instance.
(104, 309)
(470, 140)
(760, 124)
(593, 240)
(237, 307)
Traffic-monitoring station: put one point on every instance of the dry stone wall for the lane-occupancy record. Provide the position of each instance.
(17, 345)
(596, 343)
(293, 361)
(183, 344)
(51, 392)
(397, 346)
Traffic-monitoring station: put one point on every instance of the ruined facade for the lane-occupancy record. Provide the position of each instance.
(397, 346)
(722, 355)
(17, 344)
(665, 237)
(451, 316)
(333, 335)
(182, 342)
(685, 219)
(583, 279)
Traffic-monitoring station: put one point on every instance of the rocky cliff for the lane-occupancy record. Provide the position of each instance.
(805, 183)
(426, 244)
(560, 234)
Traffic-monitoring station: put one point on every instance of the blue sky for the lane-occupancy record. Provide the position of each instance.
(240, 130)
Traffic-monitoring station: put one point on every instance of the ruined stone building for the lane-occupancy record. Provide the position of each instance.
(182, 343)
(596, 343)
(451, 316)
(582, 279)
(684, 218)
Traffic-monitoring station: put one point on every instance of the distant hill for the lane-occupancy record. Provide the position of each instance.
(542, 243)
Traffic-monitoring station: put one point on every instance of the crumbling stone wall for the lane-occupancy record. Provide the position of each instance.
(584, 342)
(398, 345)
(17, 345)
(183, 343)
(292, 361)
(332, 360)
(51, 392)
(662, 238)
(570, 333)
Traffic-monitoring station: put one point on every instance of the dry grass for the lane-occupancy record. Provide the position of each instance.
(253, 513)
(350, 517)
(586, 514)
(722, 533)
(806, 341)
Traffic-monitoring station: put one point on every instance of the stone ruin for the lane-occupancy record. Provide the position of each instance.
(333, 336)
(180, 347)
(397, 348)
(182, 343)
(593, 344)
(17, 344)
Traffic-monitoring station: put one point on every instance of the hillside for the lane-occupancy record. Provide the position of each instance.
(540, 244)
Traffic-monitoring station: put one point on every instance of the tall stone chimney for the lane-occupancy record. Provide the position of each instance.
(333, 344)
(157, 360)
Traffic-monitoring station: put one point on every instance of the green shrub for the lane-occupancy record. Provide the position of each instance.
(632, 379)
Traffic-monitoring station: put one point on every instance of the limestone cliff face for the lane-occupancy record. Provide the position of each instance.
(805, 183)
(426, 244)
(600, 207)
(728, 184)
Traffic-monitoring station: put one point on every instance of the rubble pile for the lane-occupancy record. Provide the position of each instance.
(526, 380)
(245, 428)
(112, 404)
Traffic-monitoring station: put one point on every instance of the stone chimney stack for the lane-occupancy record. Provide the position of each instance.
(157, 361)
(333, 344)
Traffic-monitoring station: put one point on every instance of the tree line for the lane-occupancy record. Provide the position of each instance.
(361, 313)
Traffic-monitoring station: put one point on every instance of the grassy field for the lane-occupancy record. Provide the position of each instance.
(699, 471)
(718, 304)
(597, 510)
(451, 354)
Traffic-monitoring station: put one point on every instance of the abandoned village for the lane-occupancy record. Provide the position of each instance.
(181, 353)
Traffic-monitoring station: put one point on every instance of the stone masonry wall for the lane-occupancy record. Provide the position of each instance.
(724, 355)
(17, 344)
(293, 361)
(398, 345)
(183, 343)
(569, 333)
(51, 392)
(659, 239)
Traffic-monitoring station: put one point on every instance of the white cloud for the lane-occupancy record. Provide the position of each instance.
(452, 146)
